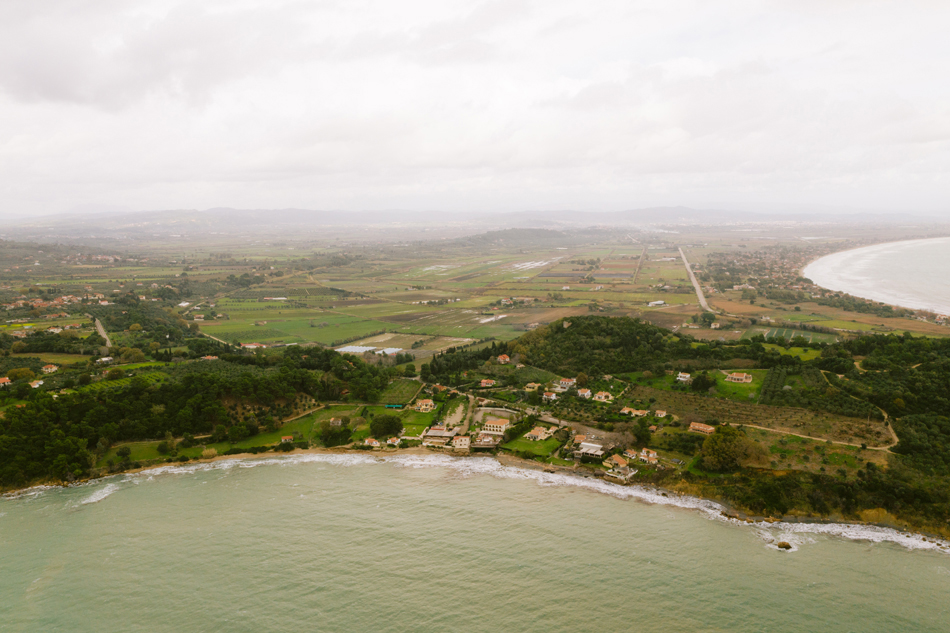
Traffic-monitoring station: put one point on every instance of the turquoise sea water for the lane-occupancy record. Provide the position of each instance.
(911, 274)
(350, 543)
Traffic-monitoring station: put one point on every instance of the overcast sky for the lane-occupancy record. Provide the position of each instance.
(473, 106)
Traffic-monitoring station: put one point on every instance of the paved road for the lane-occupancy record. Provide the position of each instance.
(102, 333)
(692, 278)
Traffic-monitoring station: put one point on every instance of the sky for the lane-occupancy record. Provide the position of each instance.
(469, 106)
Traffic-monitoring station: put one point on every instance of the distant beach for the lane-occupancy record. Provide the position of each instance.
(911, 274)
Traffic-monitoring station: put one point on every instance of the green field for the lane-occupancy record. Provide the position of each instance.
(400, 392)
(788, 334)
(540, 449)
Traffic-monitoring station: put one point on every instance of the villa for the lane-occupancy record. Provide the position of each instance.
(49, 369)
(462, 442)
(698, 427)
(550, 396)
(660, 414)
(615, 461)
(739, 377)
(488, 382)
(567, 383)
(4, 381)
(393, 441)
(532, 386)
(583, 393)
(603, 396)
(495, 426)
(371, 442)
(503, 359)
(637, 413)
(684, 377)
(36, 384)
(286, 439)
(538, 434)
(424, 406)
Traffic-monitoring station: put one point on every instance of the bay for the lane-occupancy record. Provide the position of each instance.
(434, 543)
(910, 274)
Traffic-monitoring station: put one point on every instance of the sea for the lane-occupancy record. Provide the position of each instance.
(432, 543)
(911, 274)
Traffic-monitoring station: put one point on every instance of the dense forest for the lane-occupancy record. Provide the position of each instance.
(57, 438)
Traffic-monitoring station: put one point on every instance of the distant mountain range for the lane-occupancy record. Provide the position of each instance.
(397, 224)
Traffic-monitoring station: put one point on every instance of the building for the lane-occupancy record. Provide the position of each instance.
(461, 442)
(371, 442)
(580, 439)
(684, 377)
(631, 453)
(49, 369)
(656, 304)
(424, 406)
(486, 440)
(584, 393)
(5, 381)
(739, 377)
(495, 426)
(615, 461)
(550, 396)
(698, 427)
(603, 396)
(503, 359)
(105, 359)
(286, 439)
(659, 414)
(567, 383)
(253, 346)
(589, 450)
(336, 422)
(532, 386)
(637, 413)
(393, 441)
(209, 358)
(488, 382)
(538, 434)
(648, 456)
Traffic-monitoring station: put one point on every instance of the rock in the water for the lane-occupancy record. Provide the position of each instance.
(784, 545)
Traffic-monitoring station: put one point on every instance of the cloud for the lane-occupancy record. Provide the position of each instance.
(467, 105)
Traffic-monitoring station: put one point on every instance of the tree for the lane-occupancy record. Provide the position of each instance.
(18, 347)
(84, 380)
(725, 449)
(124, 452)
(135, 327)
(220, 432)
(21, 373)
(115, 374)
(237, 433)
(703, 382)
(383, 426)
(582, 379)
(707, 318)
(642, 433)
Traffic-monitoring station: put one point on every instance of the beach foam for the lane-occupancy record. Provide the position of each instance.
(796, 534)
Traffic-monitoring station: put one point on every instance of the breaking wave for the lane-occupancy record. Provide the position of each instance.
(773, 533)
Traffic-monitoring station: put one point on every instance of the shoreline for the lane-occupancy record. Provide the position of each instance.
(722, 510)
(889, 300)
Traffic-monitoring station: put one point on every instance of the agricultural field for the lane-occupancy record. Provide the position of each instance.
(787, 334)
(400, 392)
(787, 419)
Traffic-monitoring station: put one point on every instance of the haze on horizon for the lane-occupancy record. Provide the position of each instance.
(469, 106)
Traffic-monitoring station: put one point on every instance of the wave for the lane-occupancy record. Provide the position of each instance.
(794, 534)
(100, 494)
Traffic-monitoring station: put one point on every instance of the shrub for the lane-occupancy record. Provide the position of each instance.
(208, 453)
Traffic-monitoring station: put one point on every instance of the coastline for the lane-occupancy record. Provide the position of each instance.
(878, 294)
(515, 467)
